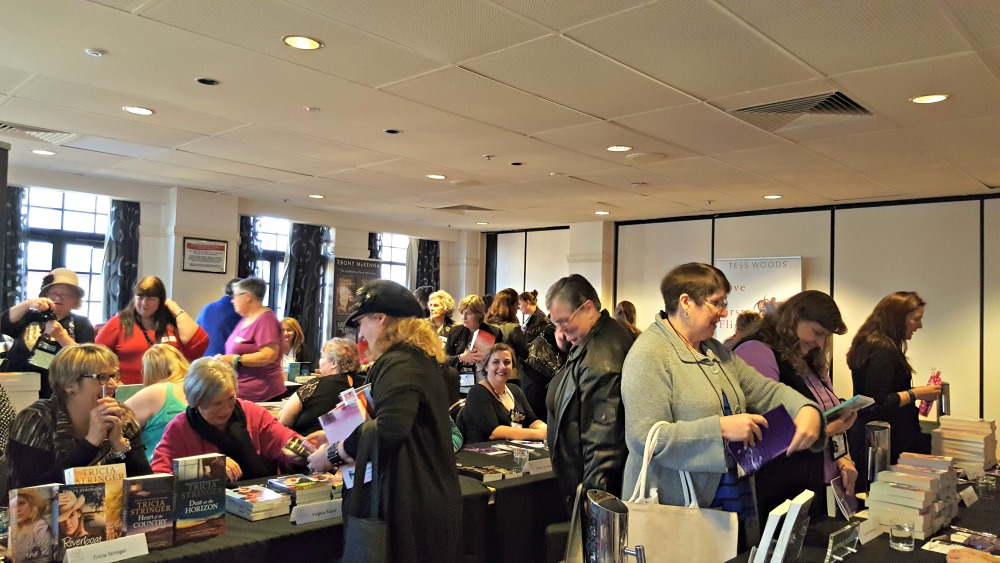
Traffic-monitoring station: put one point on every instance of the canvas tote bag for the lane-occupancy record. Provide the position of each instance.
(677, 533)
(366, 539)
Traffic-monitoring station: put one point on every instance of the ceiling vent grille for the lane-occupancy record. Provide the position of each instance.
(811, 111)
(47, 135)
(463, 208)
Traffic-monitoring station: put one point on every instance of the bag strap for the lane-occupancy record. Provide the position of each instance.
(687, 486)
(652, 437)
(367, 452)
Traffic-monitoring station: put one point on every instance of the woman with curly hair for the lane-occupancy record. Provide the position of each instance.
(441, 307)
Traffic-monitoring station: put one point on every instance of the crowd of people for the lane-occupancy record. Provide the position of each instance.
(589, 383)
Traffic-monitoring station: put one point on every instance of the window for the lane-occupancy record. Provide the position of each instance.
(273, 234)
(394, 252)
(66, 230)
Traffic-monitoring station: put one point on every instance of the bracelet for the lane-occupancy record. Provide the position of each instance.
(121, 455)
(333, 455)
(179, 313)
(237, 361)
(913, 396)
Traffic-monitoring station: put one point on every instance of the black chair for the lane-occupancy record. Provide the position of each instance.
(456, 409)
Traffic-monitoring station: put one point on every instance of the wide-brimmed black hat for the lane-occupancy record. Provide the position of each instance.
(384, 296)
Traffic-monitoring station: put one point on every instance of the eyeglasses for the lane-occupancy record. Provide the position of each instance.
(60, 296)
(104, 378)
(146, 297)
(563, 322)
(718, 305)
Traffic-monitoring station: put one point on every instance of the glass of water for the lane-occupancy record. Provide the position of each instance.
(986, 487)
(520, 459)
(901, 534)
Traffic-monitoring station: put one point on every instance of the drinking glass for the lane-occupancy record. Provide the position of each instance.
(520, 458)
(901, 534)
(986, 487)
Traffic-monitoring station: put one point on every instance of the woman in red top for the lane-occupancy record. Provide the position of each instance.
(149, 319)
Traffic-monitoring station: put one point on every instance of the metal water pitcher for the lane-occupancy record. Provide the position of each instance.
(605, 531)
(877, 436)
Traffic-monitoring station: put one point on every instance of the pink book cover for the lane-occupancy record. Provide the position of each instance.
(340, 422)
(483, 342)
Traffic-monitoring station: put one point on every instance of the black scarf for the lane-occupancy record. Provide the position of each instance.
(234, 442)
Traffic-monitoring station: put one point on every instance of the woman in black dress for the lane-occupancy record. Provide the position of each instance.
(338, 362)
(497, 411)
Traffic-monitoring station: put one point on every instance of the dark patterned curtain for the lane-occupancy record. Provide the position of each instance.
(375, 246)
(13, 240)
(121, 256)
(249, 247)
(304, 283)
(429, 263)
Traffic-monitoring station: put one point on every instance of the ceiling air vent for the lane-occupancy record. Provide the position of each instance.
(462, 208)
(811, 111)
(47, 135)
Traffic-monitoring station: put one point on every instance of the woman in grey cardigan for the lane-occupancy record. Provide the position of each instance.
(676, 372)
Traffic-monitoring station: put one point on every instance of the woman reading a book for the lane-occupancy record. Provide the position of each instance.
(163, 371)
(794, 346)
(415, 461)
(338, 362)
(880, 370)
(150, 318)
(82, 424)
(678, 373)
(497, 411)
(215, 421)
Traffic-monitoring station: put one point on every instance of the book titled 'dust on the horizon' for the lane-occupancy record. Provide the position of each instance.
(200, 497)
(774, 442)
(149, 508)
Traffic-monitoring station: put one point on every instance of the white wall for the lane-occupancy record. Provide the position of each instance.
(546, 261)
(991, 333)
(510, 260)
(646, 252)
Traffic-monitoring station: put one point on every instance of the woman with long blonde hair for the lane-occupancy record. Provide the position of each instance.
(415, 454)
(163, 370)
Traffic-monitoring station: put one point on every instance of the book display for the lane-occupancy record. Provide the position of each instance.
(34, 523)
(81, 516)
(920, 488)
(255, 502)
(200, 497)
(302, 489)
(971, 442)
(149, 508)
(488, 473)
(112, 475)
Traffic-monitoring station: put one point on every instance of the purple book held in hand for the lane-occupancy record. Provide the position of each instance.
(774, 442)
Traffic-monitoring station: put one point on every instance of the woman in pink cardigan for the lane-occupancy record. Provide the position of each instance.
(215, 421)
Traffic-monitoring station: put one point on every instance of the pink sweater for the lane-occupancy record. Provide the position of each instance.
(180, 440)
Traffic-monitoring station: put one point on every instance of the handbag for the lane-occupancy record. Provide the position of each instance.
(667, 531)
(366, 538)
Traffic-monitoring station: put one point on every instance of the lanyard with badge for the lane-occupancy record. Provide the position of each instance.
(467, 372)
(45, 348)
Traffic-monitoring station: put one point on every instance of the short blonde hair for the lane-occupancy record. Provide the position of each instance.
(163, 362)
(344, 352)
(206, 378)
(474, 304)
(73, 362)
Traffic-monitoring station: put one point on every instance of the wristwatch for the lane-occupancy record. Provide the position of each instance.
(333, 455)
(120, 456)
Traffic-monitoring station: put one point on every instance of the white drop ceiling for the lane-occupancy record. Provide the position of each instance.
(549, 84)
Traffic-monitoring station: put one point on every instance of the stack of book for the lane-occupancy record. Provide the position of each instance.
(945, 507)
(302, 489)
(255, 502)
(972, 442)
(488, 473)
(335, 480)
(901, 494)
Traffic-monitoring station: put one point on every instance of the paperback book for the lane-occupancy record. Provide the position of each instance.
(200, 497)
(852, 405)
(149, 508)
(34, 523)
(112, 475)
(81, 516)
(488, 473)
(774, 442)
(254, 502)
(301, 488)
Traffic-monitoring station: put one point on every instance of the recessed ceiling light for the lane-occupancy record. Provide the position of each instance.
(302, 42)
(602, 213)
(517, 164)
(138, 110)
(646, 157)
(391, 131)
(207, 81)
(94, 52)
(466, 183)
(772, 196)
(311, 109)
(43, 152)
(482, 223)
(436, 176)
(316, 196)
(619, 148)
(929, 99)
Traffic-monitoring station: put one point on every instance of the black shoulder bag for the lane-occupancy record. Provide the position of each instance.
(366, 538)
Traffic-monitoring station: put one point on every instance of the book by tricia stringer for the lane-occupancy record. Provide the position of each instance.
(200, 497)
(149, 508)
(34, 523)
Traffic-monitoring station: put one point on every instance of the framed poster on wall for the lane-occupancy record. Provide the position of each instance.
(204, 255)
(349, 274)
(759, 284)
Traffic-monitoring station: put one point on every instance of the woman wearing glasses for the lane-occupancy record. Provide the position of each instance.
(256, 346)
(150, 319)
(43, 326)
(81, 424)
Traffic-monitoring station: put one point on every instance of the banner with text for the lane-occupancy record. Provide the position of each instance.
(759, 284)
(349, 274)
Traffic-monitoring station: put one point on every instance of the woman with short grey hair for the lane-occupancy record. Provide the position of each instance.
(254, 442)
(256, 345)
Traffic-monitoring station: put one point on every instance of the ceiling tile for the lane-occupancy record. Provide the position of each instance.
(390, 184)
(231, 150)
(594, 139)
(846, 188)
(183, 173)
(701, 128)
(886, 91)
(784, 162)
(193, 160)
(876, 151)
(10, 78)
(986, 170)
(259, 26)
(693, 46)
(303, 145)
(124, 5)
(707, 172)
(848, 35)
(463, 92)
(336, 191)
(113, 146)
(634, 180)
(566, 73)
(969, 139)
(921, 181)
(562, 14)
(980, 20)
(412, 170)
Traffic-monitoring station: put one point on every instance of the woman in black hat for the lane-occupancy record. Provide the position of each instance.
(416, 463)
(43, 326)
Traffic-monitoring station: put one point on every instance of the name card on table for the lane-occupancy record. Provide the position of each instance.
(537, 466)
(317, 511)
(969, 496)
(105, 552)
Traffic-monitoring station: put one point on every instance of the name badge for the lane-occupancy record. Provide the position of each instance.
(169, 338)
(45, 351)
(239, 339)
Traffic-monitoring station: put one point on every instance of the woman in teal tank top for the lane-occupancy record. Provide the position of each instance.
(162, 398)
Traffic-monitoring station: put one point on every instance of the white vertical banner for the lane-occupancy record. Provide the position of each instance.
(759, 284)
